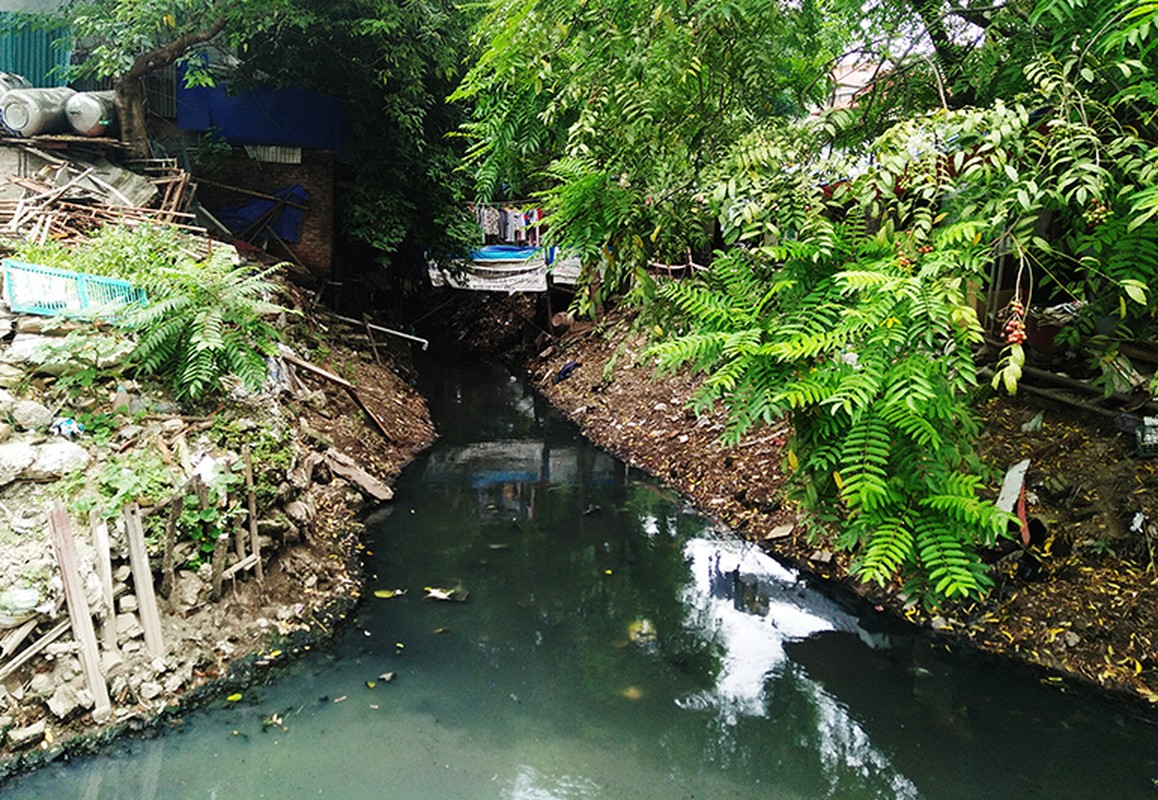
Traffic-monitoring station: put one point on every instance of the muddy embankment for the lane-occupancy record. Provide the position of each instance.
(321, 456)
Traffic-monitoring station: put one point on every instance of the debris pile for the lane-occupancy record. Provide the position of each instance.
(66, 198)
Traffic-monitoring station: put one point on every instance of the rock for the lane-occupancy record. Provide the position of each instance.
(10, 375)
(299, 511)
(27, 736)
(781, 531)
(5, 432)
(111, 663)
(29, 415)
(55, 459)
(150, 689)
(15, 457)
(174, 684)
(273, 526)
(128, 627)
(128, 603)
(173, 425)
(42, 684)
(64, 701)
(319, 438)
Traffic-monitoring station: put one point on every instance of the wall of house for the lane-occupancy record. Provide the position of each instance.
(222, 187)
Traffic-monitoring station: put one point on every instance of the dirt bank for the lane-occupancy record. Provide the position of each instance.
(1079, 604)
(321, 462)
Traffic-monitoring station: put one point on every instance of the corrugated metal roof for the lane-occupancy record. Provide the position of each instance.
(34, 54)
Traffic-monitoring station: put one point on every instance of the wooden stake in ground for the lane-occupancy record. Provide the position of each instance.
(143, 581)
(219, 547)
(78, 612)
(255, 544)
(104, 568)
(167, 574)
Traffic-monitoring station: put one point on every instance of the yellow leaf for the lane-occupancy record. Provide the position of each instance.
(387, 594)
(839, 480)
(793, 461)
(233, 698)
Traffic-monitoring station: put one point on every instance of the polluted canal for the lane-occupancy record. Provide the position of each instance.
(602, 641)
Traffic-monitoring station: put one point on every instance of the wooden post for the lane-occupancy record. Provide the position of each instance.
(167, 576)
(254, 543)
(219, 548)
(104, 568)
(373, 341)
(78, 611)
(143, 581)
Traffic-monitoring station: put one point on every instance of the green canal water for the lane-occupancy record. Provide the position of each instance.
(612, 644)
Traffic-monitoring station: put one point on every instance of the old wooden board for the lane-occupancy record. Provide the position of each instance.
(78, 611)
(143, 581)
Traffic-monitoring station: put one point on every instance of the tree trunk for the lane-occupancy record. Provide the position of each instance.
(130, 92)
(129, 99)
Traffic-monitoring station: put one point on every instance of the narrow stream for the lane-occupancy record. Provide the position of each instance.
(611, 645)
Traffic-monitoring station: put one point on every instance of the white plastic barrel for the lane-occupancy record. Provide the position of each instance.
(91, 113)
(8, 82)
(33, 111)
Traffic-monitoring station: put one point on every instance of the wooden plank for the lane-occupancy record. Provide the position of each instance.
(373, 342)
(14, 638)
(245, 563)
(143, 581)
(251, 501)
(78, 611)
(104, 569)
(322, 373)
(345, 384)
(35, 649)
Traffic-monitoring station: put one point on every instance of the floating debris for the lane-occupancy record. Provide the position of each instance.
(389, 594)
(456, 594)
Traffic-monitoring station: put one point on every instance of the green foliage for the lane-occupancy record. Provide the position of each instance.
(614, 110)
(852, 240)
(208, 323)
(135, 477)
(860, 334)
(272, 446)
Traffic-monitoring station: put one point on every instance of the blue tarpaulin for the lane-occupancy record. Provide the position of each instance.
(288, 117)
(253, 221)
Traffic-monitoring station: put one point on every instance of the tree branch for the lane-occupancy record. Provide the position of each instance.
(167, 54)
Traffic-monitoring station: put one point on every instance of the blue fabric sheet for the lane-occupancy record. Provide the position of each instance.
(286, 223)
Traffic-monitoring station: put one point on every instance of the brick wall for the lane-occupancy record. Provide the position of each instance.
(315, 248)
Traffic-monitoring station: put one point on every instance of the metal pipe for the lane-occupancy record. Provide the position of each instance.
(425, 342)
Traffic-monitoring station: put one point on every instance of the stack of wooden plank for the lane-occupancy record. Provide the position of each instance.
(67, 199)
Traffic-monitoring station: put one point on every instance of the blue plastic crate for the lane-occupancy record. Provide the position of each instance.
(35, 289)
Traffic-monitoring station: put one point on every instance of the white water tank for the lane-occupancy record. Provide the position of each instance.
(91, 113)
(33, 111)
